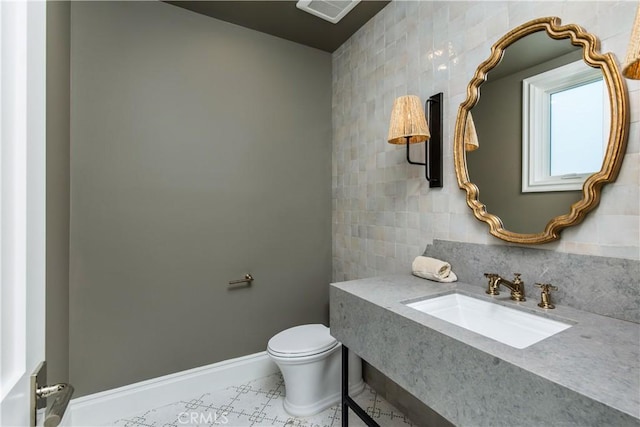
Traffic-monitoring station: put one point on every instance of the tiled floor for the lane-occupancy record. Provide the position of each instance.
(258, 403)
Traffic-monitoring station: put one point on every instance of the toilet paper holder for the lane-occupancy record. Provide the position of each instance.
(248, 278)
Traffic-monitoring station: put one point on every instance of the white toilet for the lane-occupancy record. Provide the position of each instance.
(310, 361)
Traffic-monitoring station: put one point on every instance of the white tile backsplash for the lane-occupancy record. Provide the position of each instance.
(384, 211)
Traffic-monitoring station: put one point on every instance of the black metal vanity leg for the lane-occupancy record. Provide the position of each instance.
(348, 402)
(345, 386)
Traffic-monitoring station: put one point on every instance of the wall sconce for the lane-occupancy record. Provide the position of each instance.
(409, 126)
(631, 67)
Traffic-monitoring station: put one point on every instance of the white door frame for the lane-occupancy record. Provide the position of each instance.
(22, 203)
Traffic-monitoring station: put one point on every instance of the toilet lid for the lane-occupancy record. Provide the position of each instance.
(302, 340)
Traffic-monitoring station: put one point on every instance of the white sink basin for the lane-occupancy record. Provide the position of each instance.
(507, 325)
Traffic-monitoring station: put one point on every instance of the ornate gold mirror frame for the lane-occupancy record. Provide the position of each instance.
(617, 141)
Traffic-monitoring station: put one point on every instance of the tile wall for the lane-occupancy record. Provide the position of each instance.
(384, 213)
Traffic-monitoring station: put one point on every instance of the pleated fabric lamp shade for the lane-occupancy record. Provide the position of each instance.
(470, 135)
(631, 68)
(408, 121)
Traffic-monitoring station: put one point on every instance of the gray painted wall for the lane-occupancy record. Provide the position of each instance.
(496, 166)
(57, 273)
(199, 151)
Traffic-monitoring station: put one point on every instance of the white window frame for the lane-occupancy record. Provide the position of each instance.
(536, 126)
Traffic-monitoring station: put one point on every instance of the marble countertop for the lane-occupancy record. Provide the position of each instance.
(598, 357)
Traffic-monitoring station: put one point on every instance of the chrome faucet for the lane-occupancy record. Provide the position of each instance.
(516, 287)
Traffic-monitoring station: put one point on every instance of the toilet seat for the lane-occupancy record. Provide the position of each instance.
(302, 341)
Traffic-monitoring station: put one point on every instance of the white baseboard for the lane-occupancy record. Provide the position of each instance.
(101, 408)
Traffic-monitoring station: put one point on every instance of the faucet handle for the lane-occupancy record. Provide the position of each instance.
(545, 295)
(492, 289)
(546, 287)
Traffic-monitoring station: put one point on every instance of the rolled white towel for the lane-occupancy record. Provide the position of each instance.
(433, 269)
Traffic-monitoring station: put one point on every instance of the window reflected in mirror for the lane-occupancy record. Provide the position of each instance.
(565, 119)
(577, 137)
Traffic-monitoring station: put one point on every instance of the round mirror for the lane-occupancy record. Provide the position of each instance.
(551, 129)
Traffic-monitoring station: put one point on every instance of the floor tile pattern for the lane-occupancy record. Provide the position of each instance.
(258, 403)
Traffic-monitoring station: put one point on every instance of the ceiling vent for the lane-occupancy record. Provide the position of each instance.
(329, 10)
